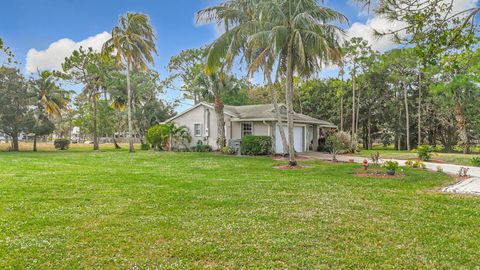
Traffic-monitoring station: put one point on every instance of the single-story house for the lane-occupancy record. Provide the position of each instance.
(257, 120)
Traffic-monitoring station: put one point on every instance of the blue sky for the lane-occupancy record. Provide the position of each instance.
(60, 25)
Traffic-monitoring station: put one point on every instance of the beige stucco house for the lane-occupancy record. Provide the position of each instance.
(257, 120)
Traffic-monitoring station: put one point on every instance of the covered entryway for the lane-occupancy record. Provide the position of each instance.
(298, 137)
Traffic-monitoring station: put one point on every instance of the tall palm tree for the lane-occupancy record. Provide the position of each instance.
(300, 35)
(133, 42)
(50, 98)
(244, 13)
(216, 84)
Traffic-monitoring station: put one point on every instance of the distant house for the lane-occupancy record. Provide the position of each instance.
(250, 120)
(75, 135)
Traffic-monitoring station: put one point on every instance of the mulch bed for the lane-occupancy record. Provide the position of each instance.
(288, 167)
(282, 158)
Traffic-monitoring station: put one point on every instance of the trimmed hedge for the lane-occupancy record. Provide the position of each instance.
(256, 145)
(202, 148)
(61, 144)
(145, 146)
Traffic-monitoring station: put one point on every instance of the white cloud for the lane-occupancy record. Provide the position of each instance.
(366, 30)
(53, 57)
(460, 5)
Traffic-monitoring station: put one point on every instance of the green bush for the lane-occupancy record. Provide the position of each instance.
(415, 164)
(409, 163)
(227, 150)
(256, 145)
(157, 136)
(390, 165)
(181, 149)
(203, 148)
(476, 161)
(338, 143)
(425, 152)
(145, 146)
(61, 144)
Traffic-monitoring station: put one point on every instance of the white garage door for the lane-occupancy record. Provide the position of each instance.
(298, 137)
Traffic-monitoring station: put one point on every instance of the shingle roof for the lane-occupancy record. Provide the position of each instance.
(267, 112)
(262, 112)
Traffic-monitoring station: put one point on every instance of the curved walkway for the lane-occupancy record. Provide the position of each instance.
(469, 186)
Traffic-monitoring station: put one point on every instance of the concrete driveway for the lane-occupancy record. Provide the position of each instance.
(469, 186)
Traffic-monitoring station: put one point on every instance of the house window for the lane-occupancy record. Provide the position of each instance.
(197, 130)
(247, 129)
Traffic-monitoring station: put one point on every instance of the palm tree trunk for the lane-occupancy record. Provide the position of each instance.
(341, 113)
(407, 115)
(419, 107)
(35, 143)
(357, 115)
(95, 134)
(370, 146)
(289, 99)
(354, 139)
(277, 115)
(37, 120)
(221, 141)
(462, 128)
(129, 111)
(170, 142)
(15, 142)
(115, 142)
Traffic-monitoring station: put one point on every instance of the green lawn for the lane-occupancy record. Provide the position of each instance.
(452, 158)
(112, 209)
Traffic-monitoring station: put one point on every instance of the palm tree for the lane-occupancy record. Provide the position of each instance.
(299, 36)
(133, 42)
(50, 98)
(177, 134)
(216, 84)
(245, 13)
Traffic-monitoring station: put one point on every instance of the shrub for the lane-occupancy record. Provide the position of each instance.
(425, 152)
(409, 163)
(145, 146)
(338, 143)
(181, 149)
(390, 165)
(375, 160)
(256, 145)
(203, 148)
(166, 136)
(419, 164)
(415, 164)
(61, 144)
(157, 136)
(227, 150)
(476, 161)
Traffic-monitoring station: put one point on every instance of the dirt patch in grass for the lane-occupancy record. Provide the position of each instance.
(288, 167)
(378, 175)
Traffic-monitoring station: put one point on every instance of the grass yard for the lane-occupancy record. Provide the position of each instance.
(48, 147)
(451, 158)
(83, 209)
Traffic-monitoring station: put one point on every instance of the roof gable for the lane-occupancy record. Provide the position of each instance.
(193, 108)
